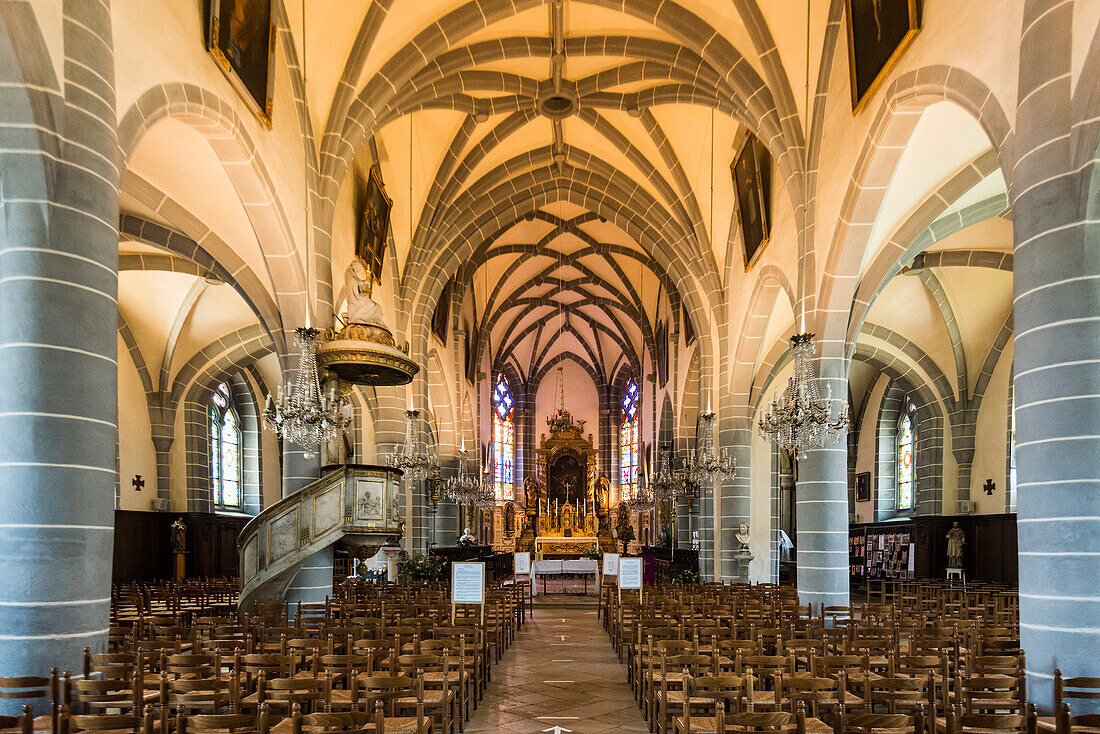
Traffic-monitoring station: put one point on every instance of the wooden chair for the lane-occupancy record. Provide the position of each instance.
(345, 722)
(22, 724)
(872, 723)
(381, 693)
(57, 689)
(223, 723)
(1066, 723)
(439, 699)
(961, 723)
(106, 722)
(757, 722)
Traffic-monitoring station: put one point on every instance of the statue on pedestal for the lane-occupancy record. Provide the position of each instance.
(624, 531)
(179, 536)
(742, 535)
(956, 539)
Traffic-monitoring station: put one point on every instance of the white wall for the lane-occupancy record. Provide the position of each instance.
(136, 454)
(868, 441)
(991, 441)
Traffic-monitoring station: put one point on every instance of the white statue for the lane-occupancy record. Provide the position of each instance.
(742, 535)
(361, 307)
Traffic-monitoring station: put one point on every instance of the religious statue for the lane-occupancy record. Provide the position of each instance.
(531, 493)
(624, 531)
(179, 536)
(742, 535)
(361, 307)
(956, 539)
(467, 537)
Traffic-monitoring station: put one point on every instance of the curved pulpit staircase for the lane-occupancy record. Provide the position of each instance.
(355, 505)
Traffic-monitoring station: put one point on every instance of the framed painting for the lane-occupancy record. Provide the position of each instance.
(660, 337)
(241, 37)
(470, 356)
(751, 171)
(863, 486)
(375, 228)
(689, 330)
(442, 313)
(879, 31)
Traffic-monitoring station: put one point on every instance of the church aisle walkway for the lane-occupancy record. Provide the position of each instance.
(561, 671)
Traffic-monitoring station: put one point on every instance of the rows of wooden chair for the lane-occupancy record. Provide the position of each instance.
(711, 658)
(375, 659)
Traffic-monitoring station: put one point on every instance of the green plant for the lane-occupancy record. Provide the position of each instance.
(685, 577)
(419, 568)
(591, 554)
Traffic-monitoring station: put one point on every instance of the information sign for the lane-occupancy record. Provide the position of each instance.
(522, 564)
(630, 573)
(468, 583)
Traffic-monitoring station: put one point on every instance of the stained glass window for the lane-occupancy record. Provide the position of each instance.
(628, 441)
(504, 439)
(225, 449)
(906, 458)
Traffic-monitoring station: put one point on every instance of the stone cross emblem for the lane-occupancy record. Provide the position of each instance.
(138, 482)
(989, 486)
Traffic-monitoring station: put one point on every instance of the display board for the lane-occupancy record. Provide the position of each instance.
(468, 583)
(522, 564)
(610, 564)
(630, 573)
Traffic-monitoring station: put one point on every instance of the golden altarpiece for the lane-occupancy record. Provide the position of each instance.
(566, 506)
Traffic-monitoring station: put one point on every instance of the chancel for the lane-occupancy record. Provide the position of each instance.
(691, 366)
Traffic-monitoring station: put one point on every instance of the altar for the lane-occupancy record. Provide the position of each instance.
(573, 546)
(566, 506)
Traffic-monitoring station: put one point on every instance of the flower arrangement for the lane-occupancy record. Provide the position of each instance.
(686, 577)
(419, 568)
(591, 554)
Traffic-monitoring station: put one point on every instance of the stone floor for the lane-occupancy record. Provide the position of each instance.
(561, 671)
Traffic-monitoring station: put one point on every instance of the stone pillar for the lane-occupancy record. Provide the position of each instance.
(58, 342)
(734, 430)
(1056, 285)
(821, 511)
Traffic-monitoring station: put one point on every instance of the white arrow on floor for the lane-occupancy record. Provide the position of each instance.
(557, 730)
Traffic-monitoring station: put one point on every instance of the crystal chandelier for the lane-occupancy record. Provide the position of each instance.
(703, 467)
(665, 484)
(464, 487)
(642, 499)
(484, 496)
(304, 415)
(799, 420)
(413, 457)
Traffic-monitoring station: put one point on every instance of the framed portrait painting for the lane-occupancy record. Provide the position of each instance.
(240, 35)
(863, 486)
(879, 31)
(751, 171)
(375, 228)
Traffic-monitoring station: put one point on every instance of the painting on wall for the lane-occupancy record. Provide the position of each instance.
(863, 486)
(660, 336)
(751, 171)
(442, 313)
(241, 37)
(375, 225)
(470, 356)
(879, 31)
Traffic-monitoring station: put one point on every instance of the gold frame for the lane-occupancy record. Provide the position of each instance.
(213, 25)
(858, 103)
(749, 262)
(375, 177)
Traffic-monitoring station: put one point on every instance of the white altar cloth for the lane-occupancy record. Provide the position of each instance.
(586, 566)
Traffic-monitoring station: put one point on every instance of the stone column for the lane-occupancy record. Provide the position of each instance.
(1056, 285)
(313, 581)
(821, 511)
(58, 332)
(734, 430)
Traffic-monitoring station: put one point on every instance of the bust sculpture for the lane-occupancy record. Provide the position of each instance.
(361, 307)
(742, 535)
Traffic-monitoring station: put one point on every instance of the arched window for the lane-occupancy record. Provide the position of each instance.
(225, 450)
(907, 456)
(504, 439)
(628, 442)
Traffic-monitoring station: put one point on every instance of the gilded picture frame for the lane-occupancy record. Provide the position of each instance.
(375, 225)
(751, 174)
(894, 23)
(241, 37)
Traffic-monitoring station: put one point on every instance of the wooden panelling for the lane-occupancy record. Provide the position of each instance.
(143, 544)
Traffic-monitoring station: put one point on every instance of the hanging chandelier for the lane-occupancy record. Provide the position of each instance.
(642, 500)
(703, 467)
(303, 414)
(665, 484)
(413, 457)
(799, 420)
(484, 496)
(464, 487)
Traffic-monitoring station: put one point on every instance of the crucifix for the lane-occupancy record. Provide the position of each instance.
(138, 483)
(989, 486)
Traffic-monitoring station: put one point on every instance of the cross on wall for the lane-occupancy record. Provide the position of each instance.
(990, 485)
(138, 483)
